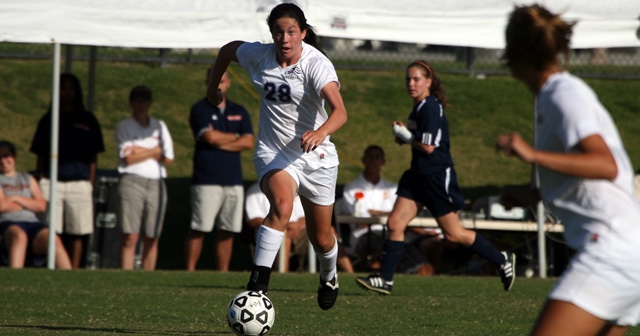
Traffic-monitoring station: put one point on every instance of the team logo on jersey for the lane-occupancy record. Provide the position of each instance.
(293, 73)
(321, 156)
(214, 117)
(82, 127)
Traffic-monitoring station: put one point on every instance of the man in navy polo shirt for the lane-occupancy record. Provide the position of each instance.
(217, 191)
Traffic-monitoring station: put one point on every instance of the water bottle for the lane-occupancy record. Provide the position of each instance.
(359, 209)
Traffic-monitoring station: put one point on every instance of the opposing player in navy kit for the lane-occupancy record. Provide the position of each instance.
(293, 152)
(585, 178)
(431, 181)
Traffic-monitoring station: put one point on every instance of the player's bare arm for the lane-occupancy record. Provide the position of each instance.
(594, 161)
(226, 54)
(337, 118)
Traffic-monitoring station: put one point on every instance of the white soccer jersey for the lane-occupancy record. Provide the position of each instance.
(597, 215)
(130, 133)
(290, 103)
(257, 205)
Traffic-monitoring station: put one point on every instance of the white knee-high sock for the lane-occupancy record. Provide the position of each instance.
(267, 246)
(328, 262)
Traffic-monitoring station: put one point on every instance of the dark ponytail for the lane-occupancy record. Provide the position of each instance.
(536, 36)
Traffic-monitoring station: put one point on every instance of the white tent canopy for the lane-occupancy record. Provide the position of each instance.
(212, 23)
(133, 23)
(469, 23)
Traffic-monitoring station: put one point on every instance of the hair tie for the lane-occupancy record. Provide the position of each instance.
(424, 65)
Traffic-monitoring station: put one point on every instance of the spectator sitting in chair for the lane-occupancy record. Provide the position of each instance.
(375, 197)
(21, 233)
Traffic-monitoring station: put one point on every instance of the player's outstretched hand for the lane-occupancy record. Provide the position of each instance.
(513, 145)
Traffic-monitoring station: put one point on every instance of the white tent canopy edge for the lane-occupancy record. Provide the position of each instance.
(469, 23)
(210, 24)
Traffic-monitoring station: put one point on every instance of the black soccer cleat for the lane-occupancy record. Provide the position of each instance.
(259, 281)
(375, 283)
(328, 293)
(507, 270)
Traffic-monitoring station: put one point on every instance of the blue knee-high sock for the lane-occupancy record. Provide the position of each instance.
(391, 255)
(483, 248)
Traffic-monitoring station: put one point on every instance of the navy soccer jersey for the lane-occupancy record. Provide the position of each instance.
(80, 139)
(429, 126)
(213, 166)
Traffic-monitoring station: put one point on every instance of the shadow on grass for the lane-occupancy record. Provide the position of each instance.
(108, 330)
(272, 288)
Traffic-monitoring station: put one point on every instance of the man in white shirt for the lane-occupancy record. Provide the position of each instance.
(374, 196)
(371, 195)
(145, 146)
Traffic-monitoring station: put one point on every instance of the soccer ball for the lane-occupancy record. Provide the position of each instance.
(251, 313)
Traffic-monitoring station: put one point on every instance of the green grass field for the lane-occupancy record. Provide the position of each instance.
(102, 302)
(42, 302)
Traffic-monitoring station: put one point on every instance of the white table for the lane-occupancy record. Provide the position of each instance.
(469, 223)
(474, 224)
(430, 222)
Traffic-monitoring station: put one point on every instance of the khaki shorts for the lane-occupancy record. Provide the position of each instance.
(141, 205)
(74, 206)
(219, 206)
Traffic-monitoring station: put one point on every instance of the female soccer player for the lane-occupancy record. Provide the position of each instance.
(293, 153)
(585, 179)
(431, 181)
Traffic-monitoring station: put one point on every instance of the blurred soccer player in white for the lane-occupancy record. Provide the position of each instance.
(585, 179)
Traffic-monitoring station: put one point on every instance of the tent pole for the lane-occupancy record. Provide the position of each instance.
(53, 170)
(542, 249)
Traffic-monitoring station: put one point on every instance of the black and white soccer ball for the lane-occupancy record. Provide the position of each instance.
(251, 313)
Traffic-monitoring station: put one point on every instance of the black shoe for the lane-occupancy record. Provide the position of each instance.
(257, 288)
(259, 279)
(328, 293)
(507, 269)
(375, 283)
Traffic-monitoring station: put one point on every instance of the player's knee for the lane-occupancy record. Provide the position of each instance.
(282, 212)
(455, 236)
(324, 242)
